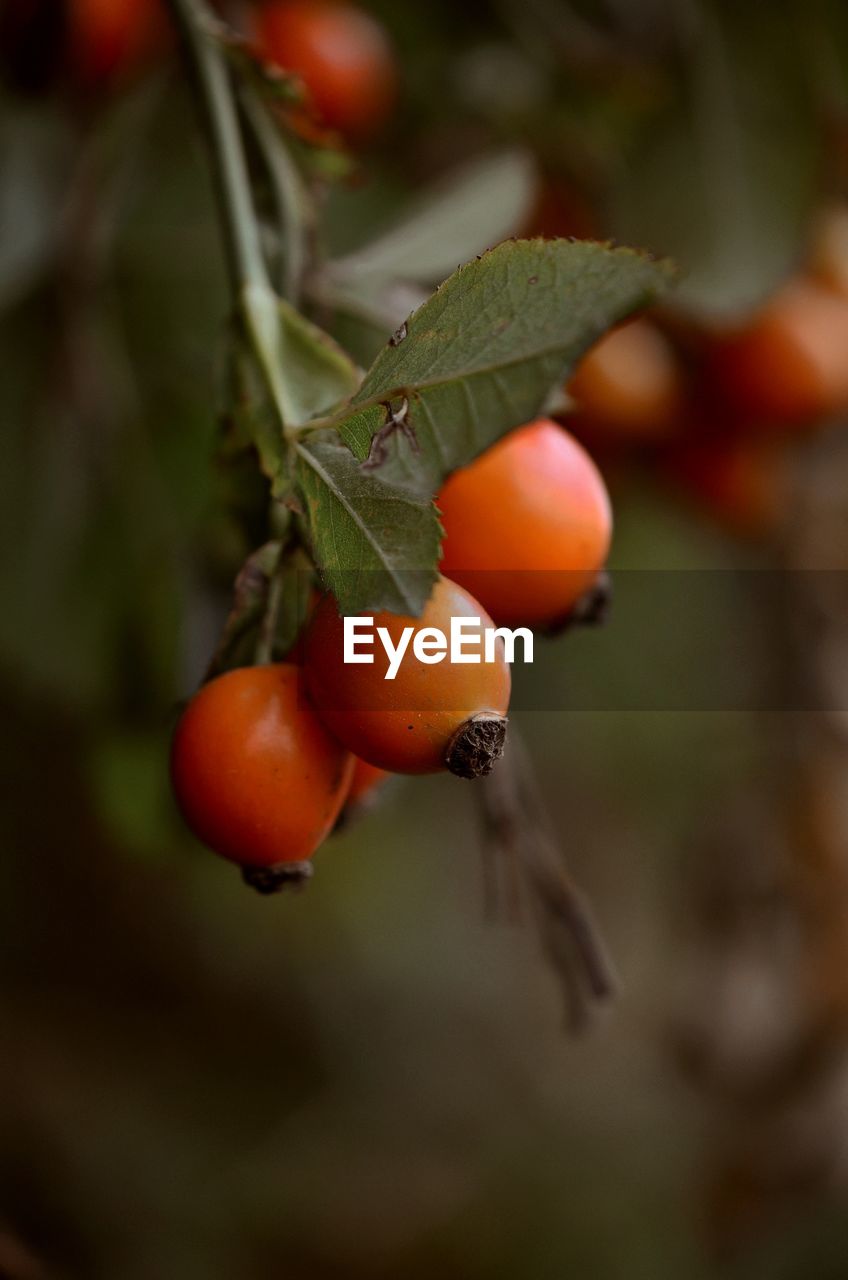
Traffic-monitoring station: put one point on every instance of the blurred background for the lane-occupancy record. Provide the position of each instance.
(371, 1078)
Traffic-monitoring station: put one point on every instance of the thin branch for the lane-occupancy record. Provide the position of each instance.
(290, 196)
(254, 295)
(565, 901)
(264, 651)
(199, 30)
(518, 830)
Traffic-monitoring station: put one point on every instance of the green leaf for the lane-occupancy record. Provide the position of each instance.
(360, 429)
(310, 376)
(725, 183)
(292, 608)
(316, 372)
(376, 546)
(465, 213)
(483, 354)
(249, 411)
(365, 314)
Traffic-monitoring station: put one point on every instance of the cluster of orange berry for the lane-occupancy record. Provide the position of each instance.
(341, 54)
(720, 408)
(96, 45)
(265, 758)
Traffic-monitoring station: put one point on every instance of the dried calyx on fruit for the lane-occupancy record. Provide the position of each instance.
(429, 718)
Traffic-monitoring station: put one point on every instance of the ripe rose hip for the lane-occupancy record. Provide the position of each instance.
(527, 525)
(786, 366)
(430, 717)
(629, 386)
(257, 776)
(341, 54)
(110, 39)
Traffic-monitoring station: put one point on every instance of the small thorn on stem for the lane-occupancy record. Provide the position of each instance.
(279, 876)
(477, 745)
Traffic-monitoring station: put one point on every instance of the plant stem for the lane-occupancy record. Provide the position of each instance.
(197, 25)
(264, 651)
(290, 195)
(256, 301)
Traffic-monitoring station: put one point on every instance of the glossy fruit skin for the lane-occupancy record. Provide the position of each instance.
(629, 386)
(365, 777)
(257, 776)
(404, 725)
(341, 54)
(527, 525)
(110, 39)
(787, 366)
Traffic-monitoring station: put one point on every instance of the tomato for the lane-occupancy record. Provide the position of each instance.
(431, 716)
(257, 776)
(629, 386)
(109, 39)
(342, 55)
(527, 525)
(787, 365)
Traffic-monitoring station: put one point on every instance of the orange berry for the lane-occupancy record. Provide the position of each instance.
(365, 778)
(431, 715)
(527, 525)
(787, 365)
(342, 55)
(742, 481)
(109, 39)
(629, 386)
(257, 776)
